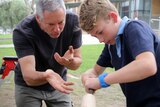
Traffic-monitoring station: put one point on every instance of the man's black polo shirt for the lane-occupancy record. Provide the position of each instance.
(29, 39)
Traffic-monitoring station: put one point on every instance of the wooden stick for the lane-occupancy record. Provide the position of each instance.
(89, 100)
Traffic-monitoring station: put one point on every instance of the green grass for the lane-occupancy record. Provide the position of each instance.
(3, 42)
(90, 54)
(5, 36)
(5, 39)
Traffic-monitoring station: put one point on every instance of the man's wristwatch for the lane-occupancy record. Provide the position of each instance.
(101, 80)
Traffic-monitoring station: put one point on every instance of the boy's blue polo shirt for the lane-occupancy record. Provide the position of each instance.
(137, 37)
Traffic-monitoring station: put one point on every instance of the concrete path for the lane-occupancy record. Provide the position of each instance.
(89, 40)
(6, 46)
(86, 40)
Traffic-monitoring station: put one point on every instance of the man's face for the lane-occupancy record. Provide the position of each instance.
(53, 22)
(105, 31)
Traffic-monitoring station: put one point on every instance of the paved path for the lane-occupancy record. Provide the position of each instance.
(89, 40)
(86, 40)
(6, 46)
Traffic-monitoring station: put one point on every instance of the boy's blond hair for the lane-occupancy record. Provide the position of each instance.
(91, 10)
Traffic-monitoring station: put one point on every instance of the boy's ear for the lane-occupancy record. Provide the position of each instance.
(113, 16)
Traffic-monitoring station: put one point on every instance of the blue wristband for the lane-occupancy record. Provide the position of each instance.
(101, 80)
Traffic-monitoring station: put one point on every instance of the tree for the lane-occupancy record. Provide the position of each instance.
(12, 11)
(30, 6)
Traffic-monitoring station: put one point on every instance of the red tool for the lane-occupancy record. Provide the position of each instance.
(8, 64)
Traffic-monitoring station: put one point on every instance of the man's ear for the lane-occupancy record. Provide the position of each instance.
(113, 16)
(37, 18)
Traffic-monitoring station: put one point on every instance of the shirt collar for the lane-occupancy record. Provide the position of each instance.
(122, 25)
(120, 31)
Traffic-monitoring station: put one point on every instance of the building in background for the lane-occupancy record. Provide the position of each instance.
(147, 10)
(73, 5)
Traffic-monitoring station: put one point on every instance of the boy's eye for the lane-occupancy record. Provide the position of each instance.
(93, 35)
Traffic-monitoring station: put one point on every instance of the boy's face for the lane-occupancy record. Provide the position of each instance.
(53, 22)
(105, 31)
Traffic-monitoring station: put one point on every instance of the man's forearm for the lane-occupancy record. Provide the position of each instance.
(37, 78)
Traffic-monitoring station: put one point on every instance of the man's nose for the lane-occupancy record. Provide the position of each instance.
(56, 28)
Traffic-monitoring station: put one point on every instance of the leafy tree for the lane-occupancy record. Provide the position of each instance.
(12, 11)
(30, 6)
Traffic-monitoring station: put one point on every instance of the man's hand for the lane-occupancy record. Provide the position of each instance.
(67, 58)
(58, 83)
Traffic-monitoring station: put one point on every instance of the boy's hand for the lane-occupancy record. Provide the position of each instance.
(86, 79)
(92, 83)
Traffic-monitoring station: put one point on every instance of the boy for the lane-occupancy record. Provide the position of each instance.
(131, 47)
